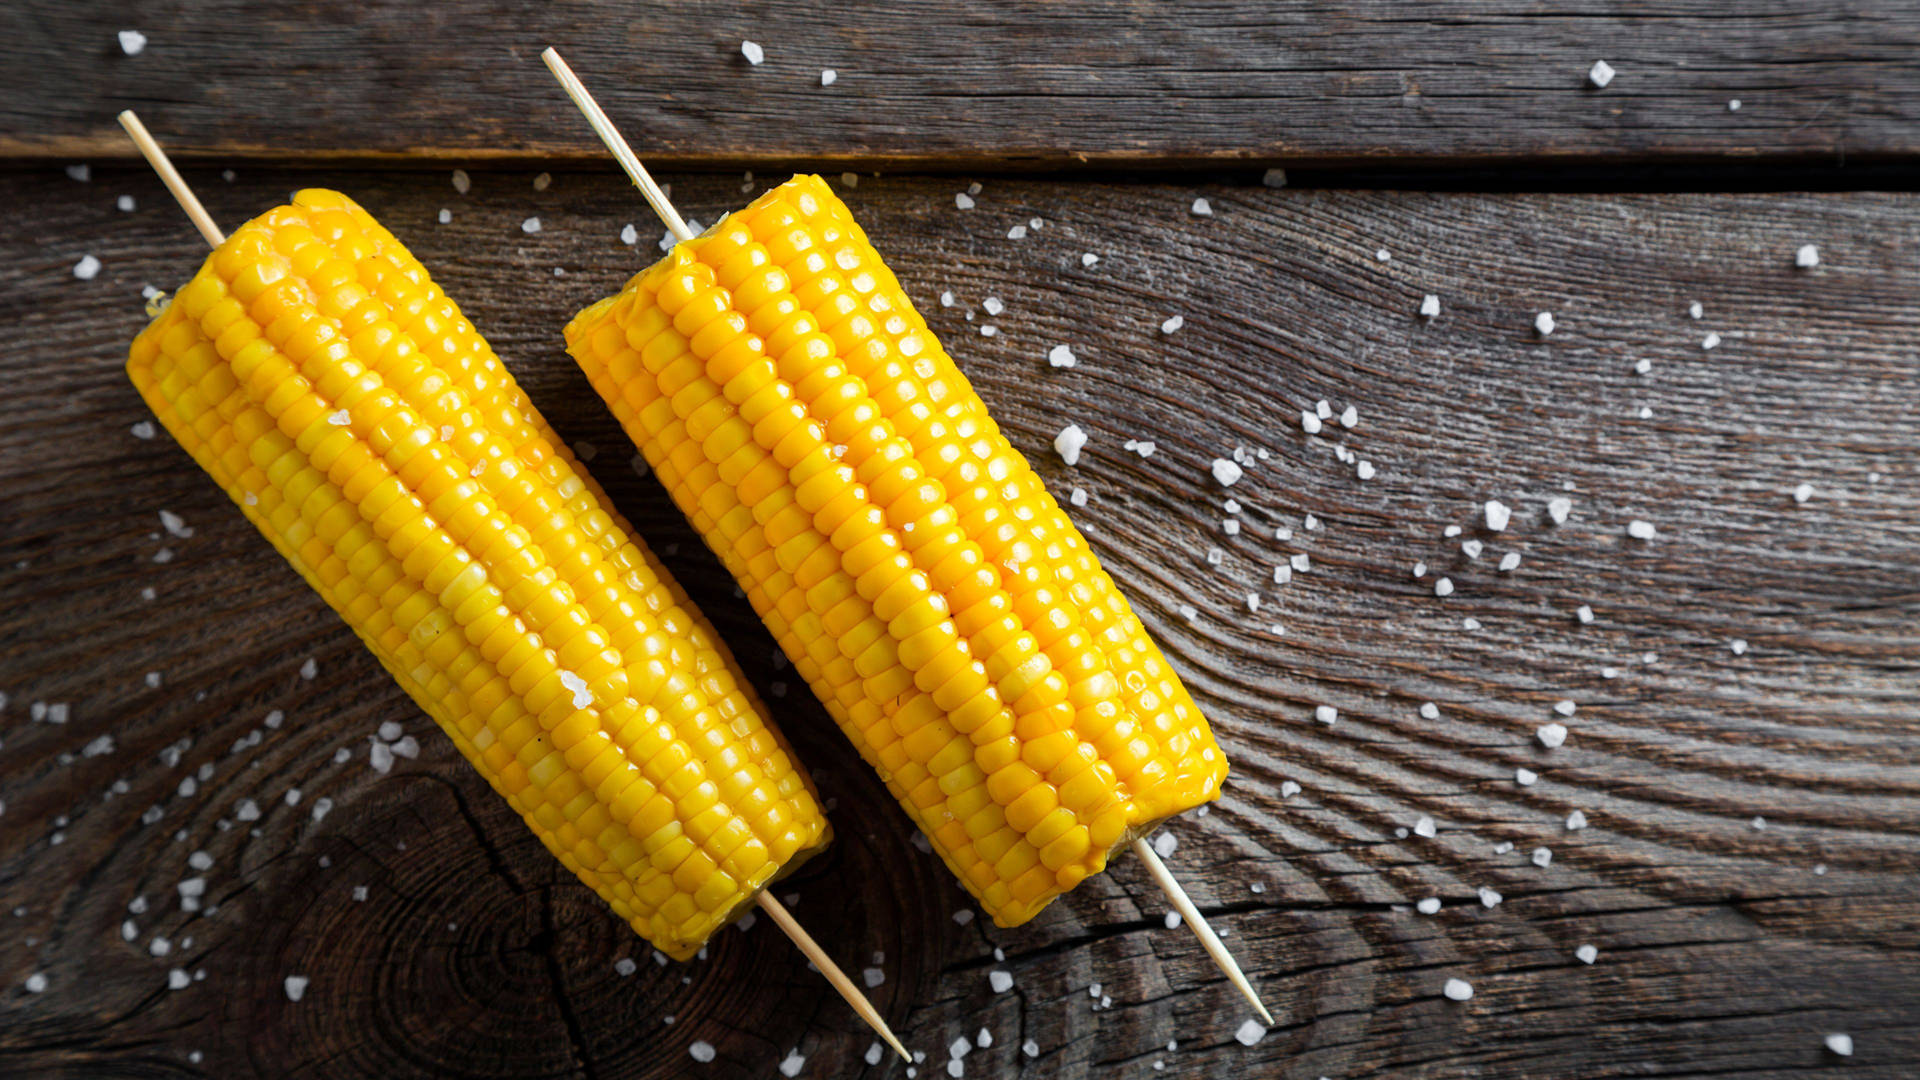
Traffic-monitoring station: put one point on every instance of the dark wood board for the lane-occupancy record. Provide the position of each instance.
(1724, 950)
(998, 86)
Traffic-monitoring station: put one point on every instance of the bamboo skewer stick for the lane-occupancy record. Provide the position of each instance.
(610, 135)
(170, 176)
(150, 149)
(1208, 939)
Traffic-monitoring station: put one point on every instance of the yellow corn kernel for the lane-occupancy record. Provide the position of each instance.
(906, 556)
(315, 371)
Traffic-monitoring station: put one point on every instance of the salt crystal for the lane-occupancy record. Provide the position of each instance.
(143, 430)
(792, 1063)
(530, 225)
(629, 235)
(963, 916)
(1068, 443)
(1383, 255)
(1525, 777)
(1226, 472)
(1739, 646)
(1458, 989)
(1349, 416)
(1733, 105)
(1543, 322)
(1419, 570)
(1430, 711)
(1471, 549)
(1430, 307)
(1300, 563)
(1558, 509)
(1173, 920)
(1425, 828)
(1443, 587)
(754, 54)
(1428, 906)
(380, 756)
(1018, 232)
(1807, 257)
(1250, 1032)
(1586, 954)
(1839, 1044)
(1802, 493)
(296, 987)
(1202, 208)
(1565, 708)
(963, 200)
(1576, 821)
(1062, 356)
(1000, 981)
(200, 860)
(1759, 823)
(1030, 1048)
(960, 1047)
(1711, 341)
(1640, 530)
(828, 77)
(1489, 898)
(1088, 258)
(178, 979)
(1283, 574)
(1326, 714)
(36, 983)
(86, 268)
(1450, 531)
(874, 1054)
(1542, 857)
(390, 730)
(1498, 514)
(873, 977)
(993, 305)
(1164, 844)
(1509, 561)
(702, 1050)
(1584, 613)
(1253, 603)
(132, 42)
(1600, 74)
(1364, 470)
(462, 183)
(1552, 736)
(1173, 323)
(1231, 527)
(1309, 422)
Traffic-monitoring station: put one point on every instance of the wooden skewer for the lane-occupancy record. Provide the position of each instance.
(784, 919)
(1208, 939)
(602, 126)
(774, 908)
(170, 176)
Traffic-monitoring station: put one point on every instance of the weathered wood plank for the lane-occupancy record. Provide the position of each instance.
(998, 86)
(1723, 948)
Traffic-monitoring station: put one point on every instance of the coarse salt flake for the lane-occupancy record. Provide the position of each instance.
(1443, 587)
(1543, 322)
(1000, 981)
(1226, 472)
(1202, 208)
(1326, 714)
(1576, 821)
(86, 268)
(1839, 1044)
(1552, 736)
(1249, 1033)
(530, 225)
(296, 987)
(1525, 777)
(1807, 257)
(1600, 74)
(1172, 324)
(1498, 515)
(1068, 443)
(1640, 530)
(753, 52)
(828, 77)
(1458, 990)
(1062, 356)
(701, 1051)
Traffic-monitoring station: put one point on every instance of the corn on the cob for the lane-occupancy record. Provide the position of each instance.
(315, 371)
(903, 553)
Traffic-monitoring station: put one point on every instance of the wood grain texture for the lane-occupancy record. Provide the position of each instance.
(1000, 86)
(1724, 950)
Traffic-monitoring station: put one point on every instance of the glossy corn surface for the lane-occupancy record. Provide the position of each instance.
(904, 554)
(342, 400)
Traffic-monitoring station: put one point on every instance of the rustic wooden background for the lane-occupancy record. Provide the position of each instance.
(1750, 873)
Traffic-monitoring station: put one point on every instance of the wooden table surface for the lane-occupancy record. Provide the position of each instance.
(1745, 748)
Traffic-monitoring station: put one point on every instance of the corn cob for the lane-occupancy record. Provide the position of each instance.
(363, 425)
(955, 623)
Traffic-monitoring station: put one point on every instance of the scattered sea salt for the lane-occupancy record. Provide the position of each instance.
(1552, 736)
(1430, 711)
(964, 201)
(132, 42)
(1428, 906)
(1600, 74)
(1226, 472)
(1250, 1032)
(1458, 989)
(530, 225)
(1558, 509)
(86, 268)
(702, 1050)
(1202, 208)
(1489, 898)
(1068, 443)
(1807, 257)
(1425, 828)
(1565, 708)
(1525, 777)
(1542, 857)
(1640, 530)
(1509, 561)
(1576, 821)
(1172, 324)
(1498, 514)
(1309, 422)
(1543, 322)
(462, 183)
(1586, 954)
(1326, 714)
(1802, 493)
(754, 54)
(1711, 341)
(1430, 307)
(792, 1063)
(828, 77)
(1443, 587)
(1062, 356)
(1839, 1044)
(296, 987)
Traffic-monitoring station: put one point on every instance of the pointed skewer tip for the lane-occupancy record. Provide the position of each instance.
(1201, 929)
(812, 950)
